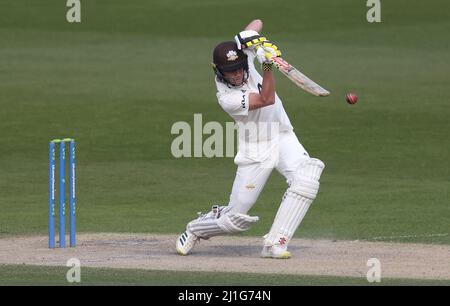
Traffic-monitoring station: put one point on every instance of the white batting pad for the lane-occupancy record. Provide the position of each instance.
(235, 223)
(296, 203)
(219, 222)
(306, 182)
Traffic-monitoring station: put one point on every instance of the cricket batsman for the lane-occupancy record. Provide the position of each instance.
(266, 142)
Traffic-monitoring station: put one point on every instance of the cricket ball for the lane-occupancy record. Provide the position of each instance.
(351, 98)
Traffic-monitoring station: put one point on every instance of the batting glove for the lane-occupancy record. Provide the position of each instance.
(248, 39)
(266, 51)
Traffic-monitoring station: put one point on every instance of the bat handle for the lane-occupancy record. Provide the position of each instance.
(281, 63)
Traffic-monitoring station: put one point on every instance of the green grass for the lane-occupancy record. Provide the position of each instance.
(39, 275)
(120, 79)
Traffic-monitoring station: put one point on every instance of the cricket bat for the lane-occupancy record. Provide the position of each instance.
(299, 78)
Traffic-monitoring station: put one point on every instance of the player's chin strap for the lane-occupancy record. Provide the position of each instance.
(296, 202)
(221, 77)
(244, 81)
(220, 221)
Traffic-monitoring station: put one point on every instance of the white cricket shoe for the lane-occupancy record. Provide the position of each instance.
(275, 251)
(186, 242)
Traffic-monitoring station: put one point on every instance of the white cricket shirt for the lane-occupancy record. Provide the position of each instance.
(235, 101)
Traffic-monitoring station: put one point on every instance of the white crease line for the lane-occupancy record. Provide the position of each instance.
(406, 236)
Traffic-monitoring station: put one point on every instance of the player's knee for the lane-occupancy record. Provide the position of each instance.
(306, 178)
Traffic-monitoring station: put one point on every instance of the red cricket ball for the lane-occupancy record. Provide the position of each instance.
(351, 98)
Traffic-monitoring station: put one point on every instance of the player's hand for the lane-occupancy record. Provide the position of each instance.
(249, 39)
(266, 51)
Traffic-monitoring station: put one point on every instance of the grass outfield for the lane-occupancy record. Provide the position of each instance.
(120, 79)
(39, 275)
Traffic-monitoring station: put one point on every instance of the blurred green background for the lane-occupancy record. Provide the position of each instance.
(118, 80)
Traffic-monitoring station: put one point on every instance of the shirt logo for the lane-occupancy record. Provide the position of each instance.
(259, 88)
(243, 101)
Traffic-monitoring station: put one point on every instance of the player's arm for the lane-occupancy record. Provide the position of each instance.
(256, 25)
(265, 53)
(267, 95)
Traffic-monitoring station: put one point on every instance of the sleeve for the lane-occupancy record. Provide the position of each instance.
(251, 57)
(235, 103)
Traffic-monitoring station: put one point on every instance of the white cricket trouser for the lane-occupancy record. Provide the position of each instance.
(252, 175)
